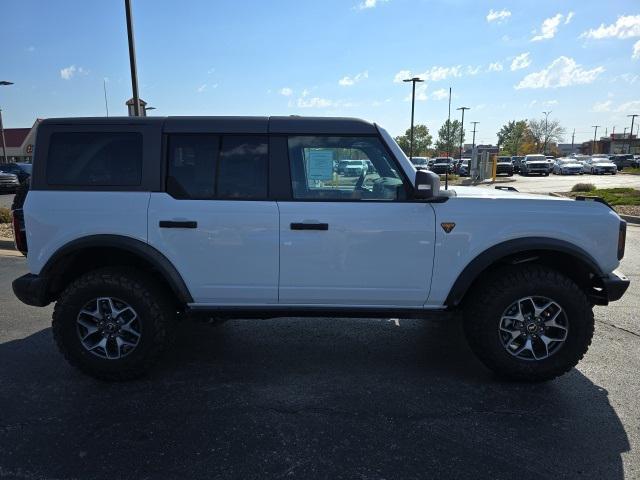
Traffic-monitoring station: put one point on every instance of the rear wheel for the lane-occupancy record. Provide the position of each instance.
(529, 323)
(113, 323)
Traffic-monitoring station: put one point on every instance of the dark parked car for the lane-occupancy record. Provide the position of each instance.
(421, 163)
(8, 182)
(442, 165)
(20, 170)
(504, 166)
(516, 161)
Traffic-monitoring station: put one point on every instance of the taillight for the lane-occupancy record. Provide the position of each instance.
(19, 231)
(622, 239)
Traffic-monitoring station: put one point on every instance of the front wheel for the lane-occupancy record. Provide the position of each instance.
(529, 323)
(113, 323)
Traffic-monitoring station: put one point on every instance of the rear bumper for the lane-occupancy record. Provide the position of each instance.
(32, 290)
(615, 284)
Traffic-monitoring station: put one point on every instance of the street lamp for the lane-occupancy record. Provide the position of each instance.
(462, 128)
(633, 117)
(132, 59)
(546, 135)
(413, 80)
(595, 133)
(4, 143)
(146, 109)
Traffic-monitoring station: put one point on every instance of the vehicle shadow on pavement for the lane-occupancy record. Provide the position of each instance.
(302, 398)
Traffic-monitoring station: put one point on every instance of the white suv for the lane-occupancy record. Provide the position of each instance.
(132, 223)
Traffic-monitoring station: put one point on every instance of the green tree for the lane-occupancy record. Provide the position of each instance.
(449, 137)
(512, 135)
(545, 133)
(422, 140)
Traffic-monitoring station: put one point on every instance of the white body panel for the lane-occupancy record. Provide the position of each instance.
(231, 258)
(372, 253)
(485, 218)
(55, 218)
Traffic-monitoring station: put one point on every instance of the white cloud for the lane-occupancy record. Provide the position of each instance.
(314, 102)
(629, 107)
(348, 81)
(473, 70)
(562, 72)
(625, 27)
(401, 75)
(569, 18)
(602, 106)
(549, 27)
(636, 50)
(201, 88)
(495, 67)
(521, 61)
(69, 72)
(369, 4)
(305, 93)
(550, 103)
(498, 16)
(31, 49)
(440, 94)
(285, 91)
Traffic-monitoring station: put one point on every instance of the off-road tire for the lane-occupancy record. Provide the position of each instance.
(143, 293)
(485, 306)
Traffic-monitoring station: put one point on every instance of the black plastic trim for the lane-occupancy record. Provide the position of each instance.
(131, 245)
(32, 290)
(275, 311)
(177, 224)
(615, 284)
(508, 248)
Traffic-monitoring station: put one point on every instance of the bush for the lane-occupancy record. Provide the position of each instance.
(583, 187)
(5, 215)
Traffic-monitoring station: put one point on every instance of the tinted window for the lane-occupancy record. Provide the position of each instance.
(342, 168)
(95, 159)
(243, 168)
(192, 161)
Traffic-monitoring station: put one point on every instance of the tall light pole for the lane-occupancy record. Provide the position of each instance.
(546, 133)
(633, 117)
(413, 80)
(462, 128)
(106, 104)
(132, 59)
(4, 143)
(573, 136)
(595, 133)
(473, 143)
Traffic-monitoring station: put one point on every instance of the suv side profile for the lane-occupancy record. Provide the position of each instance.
(130, 224)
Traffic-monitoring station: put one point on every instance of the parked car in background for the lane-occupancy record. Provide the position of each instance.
(599, 166)
(8, 182)
(551, 161)
(421, 163)
(537, 164)
(516, 160)
(504, 166)
(567, 166)
(20, 170)
(623, 160)
(463, 169)
(352, 168)
(442, 165)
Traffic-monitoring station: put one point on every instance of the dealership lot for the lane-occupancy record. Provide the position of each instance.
(563, 183)
(319, 398)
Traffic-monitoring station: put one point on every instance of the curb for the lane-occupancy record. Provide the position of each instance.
(630, 219)
(7, 244)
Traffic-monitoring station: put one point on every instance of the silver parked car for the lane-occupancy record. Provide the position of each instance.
(600, 166)
(567, 166)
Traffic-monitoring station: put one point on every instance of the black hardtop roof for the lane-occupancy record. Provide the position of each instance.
(221, 124)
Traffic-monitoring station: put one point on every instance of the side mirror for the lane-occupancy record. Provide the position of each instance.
(427, 184)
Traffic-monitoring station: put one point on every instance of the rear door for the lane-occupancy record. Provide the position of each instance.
(214, 221)
(352, 241)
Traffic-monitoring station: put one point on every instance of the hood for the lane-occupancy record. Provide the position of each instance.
(603, 164)
(571, 165)
(484, 192)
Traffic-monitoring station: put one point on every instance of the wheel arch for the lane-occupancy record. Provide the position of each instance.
(564, 256)
(84, 254)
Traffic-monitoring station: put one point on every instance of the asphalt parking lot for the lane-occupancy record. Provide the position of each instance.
(319, 398)
(563, 183)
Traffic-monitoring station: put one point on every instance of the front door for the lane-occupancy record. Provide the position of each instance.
(349, 237)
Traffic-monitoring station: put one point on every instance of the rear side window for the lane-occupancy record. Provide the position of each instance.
(203, 167)
(95, 159)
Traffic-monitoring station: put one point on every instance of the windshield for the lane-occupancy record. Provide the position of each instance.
(419, 161)
(443, 160)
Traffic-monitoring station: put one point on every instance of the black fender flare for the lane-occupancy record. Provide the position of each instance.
(513, 247)
(130, 245)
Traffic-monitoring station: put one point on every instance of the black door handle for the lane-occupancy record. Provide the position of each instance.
(309, 226)
(178, 224)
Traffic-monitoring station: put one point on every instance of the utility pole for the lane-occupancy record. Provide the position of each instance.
(413, 80)
(474, 135)
(3, 83)
(132, 59)
(595, 133)
(633, 117)
(546, 133)
(462, 128)
(573, 136)
(106, 104)
(449, 142)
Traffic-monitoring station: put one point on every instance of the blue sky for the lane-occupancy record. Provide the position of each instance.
(506, 60)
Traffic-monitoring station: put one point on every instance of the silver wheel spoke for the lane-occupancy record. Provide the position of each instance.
(108, 328)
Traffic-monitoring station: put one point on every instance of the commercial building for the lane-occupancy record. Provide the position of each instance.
(614, 143)
(19, 143)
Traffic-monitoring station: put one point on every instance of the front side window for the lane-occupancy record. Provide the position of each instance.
(95, 159)
(343, 168)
